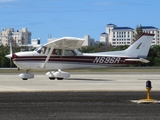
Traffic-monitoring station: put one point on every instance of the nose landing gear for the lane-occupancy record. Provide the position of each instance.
(26, 75)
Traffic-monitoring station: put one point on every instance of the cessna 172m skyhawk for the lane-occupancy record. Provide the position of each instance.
(61, 54)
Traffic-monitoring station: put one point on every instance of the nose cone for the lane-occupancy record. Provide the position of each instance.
(9, 56)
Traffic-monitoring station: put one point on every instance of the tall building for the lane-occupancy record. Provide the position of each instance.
(104, 38)
(125, 35)
(88, 41)
(17, 38)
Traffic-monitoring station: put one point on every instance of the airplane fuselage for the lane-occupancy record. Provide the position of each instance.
(33, 60)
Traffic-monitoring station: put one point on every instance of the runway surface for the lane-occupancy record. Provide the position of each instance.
(77, 106)
(83, 96)
(81, 82)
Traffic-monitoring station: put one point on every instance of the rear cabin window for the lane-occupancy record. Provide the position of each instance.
(69, 53)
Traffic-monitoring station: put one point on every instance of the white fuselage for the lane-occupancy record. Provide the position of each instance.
(35, 61)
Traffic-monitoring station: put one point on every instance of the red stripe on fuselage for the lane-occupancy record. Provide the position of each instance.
(78, 59)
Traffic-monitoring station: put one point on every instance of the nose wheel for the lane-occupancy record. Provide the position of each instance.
(26, 75)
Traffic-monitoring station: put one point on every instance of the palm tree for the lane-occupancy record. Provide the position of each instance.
(138, 32)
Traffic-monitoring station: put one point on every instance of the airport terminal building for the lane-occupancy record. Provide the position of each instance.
(125, 35)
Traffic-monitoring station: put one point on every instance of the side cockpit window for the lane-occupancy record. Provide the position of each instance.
(43, 50)
(57, 52)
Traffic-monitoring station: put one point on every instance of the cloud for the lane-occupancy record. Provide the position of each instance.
(5, 1)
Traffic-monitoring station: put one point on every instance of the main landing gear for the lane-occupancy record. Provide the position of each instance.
(26, 75)
(53, 78)
(60, 75)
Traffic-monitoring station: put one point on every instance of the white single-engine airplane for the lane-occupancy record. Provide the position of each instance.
(61, 54)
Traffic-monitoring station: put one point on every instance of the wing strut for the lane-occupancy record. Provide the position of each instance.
(48, 56)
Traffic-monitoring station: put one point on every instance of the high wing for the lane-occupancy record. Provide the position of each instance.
(66, 43)
(63, 43)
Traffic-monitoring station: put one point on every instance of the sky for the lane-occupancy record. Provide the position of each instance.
(76, 18)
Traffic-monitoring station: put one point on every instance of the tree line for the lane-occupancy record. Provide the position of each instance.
(5, 62)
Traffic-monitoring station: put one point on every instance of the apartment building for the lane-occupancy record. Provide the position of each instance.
(17, 38)
(125, 35)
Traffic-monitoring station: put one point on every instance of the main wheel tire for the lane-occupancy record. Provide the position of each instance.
(24, 78)
(60, 78)
(52, 78)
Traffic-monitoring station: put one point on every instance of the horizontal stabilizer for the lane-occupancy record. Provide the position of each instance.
(139, 60)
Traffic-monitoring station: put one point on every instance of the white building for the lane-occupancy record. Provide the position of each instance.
(125, 35)
(119, 35)
(153, 30)
(19, 37)
(104, 38)
(36, 42)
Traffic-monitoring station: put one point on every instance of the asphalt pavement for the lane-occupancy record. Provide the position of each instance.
(77, 106)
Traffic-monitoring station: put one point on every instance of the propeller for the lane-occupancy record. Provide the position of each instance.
(10, 55)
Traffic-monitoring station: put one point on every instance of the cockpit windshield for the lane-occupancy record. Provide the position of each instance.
(40, 49)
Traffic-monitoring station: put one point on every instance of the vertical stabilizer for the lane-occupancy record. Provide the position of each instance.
(141, 46)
